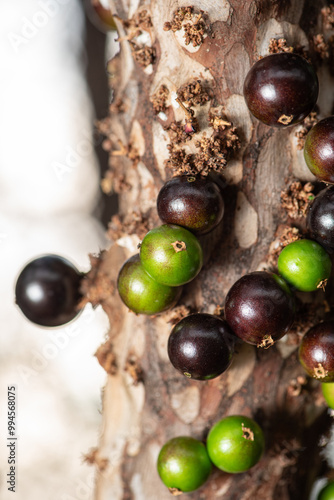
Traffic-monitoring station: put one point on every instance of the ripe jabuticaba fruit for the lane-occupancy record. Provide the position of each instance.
(194, 202)
(281, 89)
(260, 308)
(320, 218)
(201, 346)
(319, 150)
(316, 351)
(48, 291)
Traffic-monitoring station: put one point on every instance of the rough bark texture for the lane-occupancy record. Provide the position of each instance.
(145, 401)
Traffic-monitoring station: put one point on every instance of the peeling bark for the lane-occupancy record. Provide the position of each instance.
(140, 414)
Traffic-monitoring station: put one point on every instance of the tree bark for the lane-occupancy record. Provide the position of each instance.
(145, 401)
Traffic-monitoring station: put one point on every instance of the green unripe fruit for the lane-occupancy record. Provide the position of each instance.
(183, 464)
(235, 443)
(328, 392)
(327, 492)
(141, 293)
(305, 264)
(171, 255)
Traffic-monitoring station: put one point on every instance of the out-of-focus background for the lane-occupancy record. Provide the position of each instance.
(52, 86)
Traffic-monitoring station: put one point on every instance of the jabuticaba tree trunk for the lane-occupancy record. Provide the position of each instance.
(145, 401)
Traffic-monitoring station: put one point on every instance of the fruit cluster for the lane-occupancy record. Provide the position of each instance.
(171, 254)
(270, 90)
(260, 307)
(234, 444)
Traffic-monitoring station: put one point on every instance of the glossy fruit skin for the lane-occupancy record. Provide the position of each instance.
(48, 291)
(260, 308)
(320, 218)
(141, 293)
(328, 392)
(192, 202)
(235, 444)
(304, 264)
(281, 89)
(171, 255)
(316, 352)
(184, 464)
(327, 492)
(319, 150)
(100, 15)
(201, 346)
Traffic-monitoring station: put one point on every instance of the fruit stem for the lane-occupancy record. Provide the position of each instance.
(322, 284)
(188, 112)
(175, 491)
(267, 341)
(179, 246)
(320, 372)
(247, 433)
(199, 17)
(285, 120)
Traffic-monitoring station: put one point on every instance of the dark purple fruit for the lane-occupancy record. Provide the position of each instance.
(316, 351)
(201, 346)
(260, 308)
(281, 89)
(319, 150)
(320, 218)
(48, 291)
(192, 202)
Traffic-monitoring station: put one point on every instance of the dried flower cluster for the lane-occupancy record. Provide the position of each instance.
(114, 180)
(159, 99)
(194, 29)
(143, 54)
(297, 198)
(193, 93)
(308, 123)
(283, 237)
(97, 286)
(328, 17)
(213, 154)
(133, 222)
(175, 315)
(278, 45)
(194, 32)
(141, 19)
(180, 15)
(321, 47)
(177, 133)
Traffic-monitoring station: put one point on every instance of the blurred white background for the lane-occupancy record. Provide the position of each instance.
(49, 189)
